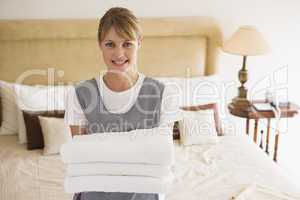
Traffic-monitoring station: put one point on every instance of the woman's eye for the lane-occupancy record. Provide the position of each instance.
(128, 44)
(109, 44)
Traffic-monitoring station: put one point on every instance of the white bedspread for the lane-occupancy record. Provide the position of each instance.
(214, 172)
(117, 169)
(218, 172)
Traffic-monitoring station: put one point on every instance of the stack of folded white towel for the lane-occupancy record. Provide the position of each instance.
(138, 161)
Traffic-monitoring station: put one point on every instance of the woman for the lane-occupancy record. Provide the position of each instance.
(119, 99)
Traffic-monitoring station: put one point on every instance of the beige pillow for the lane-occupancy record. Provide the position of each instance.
(198, 127)
(55, 133)
(8, 109)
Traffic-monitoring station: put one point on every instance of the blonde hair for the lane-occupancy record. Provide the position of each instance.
(124, 22)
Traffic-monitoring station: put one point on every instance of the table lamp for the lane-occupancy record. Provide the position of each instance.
(246, 41)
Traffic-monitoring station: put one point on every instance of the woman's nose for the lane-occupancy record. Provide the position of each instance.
(119, 51)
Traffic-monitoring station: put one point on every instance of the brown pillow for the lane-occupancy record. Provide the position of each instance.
(34, 132)
(176, 132)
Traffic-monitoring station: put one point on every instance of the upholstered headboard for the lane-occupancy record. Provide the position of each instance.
(56, 51)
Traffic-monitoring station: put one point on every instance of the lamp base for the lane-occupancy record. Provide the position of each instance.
(241, 103)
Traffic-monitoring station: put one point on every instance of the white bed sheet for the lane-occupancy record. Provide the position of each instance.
(218, 172)
(212, 172)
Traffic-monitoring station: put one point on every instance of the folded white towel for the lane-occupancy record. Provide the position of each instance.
(143, 146)
(137, 184)
(117, 169)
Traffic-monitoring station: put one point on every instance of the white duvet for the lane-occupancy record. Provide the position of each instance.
(202, 172)
(223, 171)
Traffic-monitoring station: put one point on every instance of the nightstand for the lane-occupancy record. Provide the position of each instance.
(251, 113)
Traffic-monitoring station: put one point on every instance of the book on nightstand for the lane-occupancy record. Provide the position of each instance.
(263, 106)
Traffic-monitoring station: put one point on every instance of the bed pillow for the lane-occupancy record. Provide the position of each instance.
(37, 98)
(34, 133)
(195, 90)
(0, 109)
(55, 133)
(202, 90)
(200, 125)
(8, 109)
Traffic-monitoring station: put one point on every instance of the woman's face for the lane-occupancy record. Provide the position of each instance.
(119, 54)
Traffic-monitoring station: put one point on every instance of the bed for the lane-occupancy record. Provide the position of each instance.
(46, 49)
(213, 172)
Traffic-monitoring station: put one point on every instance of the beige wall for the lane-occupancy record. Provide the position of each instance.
(277, 20)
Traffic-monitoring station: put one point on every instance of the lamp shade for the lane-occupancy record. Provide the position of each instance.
(246, 41)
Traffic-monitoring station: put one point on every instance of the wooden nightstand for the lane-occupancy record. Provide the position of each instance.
(252, 113)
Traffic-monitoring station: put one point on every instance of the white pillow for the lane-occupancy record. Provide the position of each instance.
(40, 97)
(9, 109)
(195, 90)
(198, 127)
(37, 98)
(55, 133)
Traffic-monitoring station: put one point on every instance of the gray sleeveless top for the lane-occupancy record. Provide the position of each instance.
(144, 114)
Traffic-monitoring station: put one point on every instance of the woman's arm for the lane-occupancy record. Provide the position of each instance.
(74, 116)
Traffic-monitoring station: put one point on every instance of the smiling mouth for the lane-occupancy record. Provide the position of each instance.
(119, 63)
